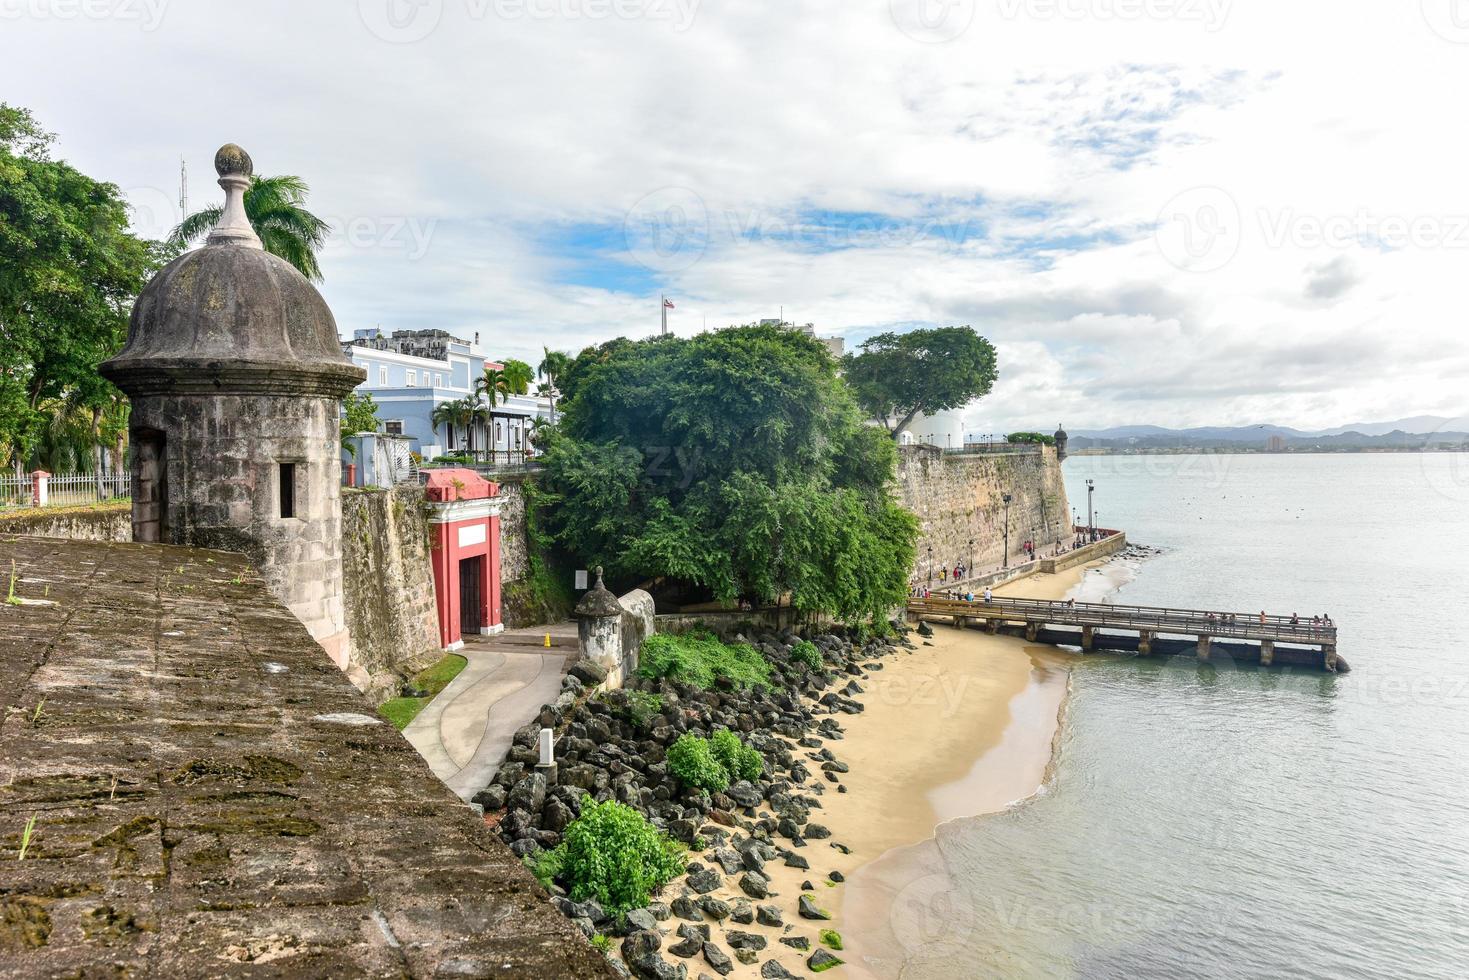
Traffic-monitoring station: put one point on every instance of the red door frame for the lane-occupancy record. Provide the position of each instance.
(465, 513)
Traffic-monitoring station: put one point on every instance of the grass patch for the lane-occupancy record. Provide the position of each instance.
(400, 711)
(699, 658)
(831, 939)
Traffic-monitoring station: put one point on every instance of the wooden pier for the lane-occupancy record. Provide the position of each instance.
(1146, 630)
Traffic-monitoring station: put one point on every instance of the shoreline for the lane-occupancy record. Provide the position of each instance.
(1004, 730)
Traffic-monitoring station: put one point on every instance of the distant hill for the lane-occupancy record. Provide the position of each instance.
(1419, 432)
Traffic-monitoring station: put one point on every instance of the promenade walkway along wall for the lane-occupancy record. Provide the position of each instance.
(959, 499)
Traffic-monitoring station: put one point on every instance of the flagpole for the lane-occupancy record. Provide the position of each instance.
(663, 310)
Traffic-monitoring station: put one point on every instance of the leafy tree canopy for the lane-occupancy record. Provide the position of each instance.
(1031, 438)
(735, 461)
(359, 414)
(517, 376)
(898, 377)
(71, 271)
(276, 209)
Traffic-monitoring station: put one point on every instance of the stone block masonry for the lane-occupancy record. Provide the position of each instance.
(960, 497)
(388, 586)
(208, 796)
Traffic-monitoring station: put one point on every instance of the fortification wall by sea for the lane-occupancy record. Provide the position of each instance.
(959, 499)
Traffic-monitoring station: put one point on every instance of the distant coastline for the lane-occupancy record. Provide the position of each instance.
(1257, 451)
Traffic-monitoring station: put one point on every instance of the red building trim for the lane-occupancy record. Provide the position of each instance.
(465, 514)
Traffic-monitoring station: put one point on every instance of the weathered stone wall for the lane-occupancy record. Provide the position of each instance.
(959, 498)
(209, 797)
(388, 585)
(93, 522)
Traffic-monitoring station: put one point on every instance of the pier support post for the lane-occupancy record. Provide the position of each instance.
(1328, 656)
(961, 622)
(1267, 653)
(992, 625)
(1088, 637)
(1204, 643)
(1145, 642)
(1031, 631)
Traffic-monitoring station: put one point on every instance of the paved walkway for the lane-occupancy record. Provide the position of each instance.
(465, 732)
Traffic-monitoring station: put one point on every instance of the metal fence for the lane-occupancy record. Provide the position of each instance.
(64, 489)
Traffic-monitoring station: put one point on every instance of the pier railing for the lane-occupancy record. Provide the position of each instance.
(1155, 619)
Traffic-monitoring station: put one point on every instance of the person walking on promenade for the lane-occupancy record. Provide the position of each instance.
(989, 596)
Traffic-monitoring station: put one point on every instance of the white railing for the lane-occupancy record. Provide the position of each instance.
(64, 489)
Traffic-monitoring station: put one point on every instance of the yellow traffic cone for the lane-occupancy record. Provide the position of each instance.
(548, 641)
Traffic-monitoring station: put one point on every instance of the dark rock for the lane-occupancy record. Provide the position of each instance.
(755, 884)
(796, 942)
(837, 876)
(651, 966)
(772, 970)
(728, 859)
(529, 794)
(705, 880)
(794, 860)
(641, 920)
(687, 947)
(556, 816)
(744, 940)
(683, 830)
(591, 673)
(686, 908)
(522, 848)
(809, 910)
(716, 909)
(744, 794)
(641, 943)
(717, 959)
(821, 960)
(659, 910)
(743, 913)
(925, 630)
(769, 915)
(492, 798)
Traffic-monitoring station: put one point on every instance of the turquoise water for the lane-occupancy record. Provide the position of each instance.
(1231, 821)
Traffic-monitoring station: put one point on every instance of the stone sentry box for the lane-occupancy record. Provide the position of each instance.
(464, 510)
(236, 377)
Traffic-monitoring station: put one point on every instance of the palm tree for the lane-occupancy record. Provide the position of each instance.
(551, 368)
(275, 207)
(517, 375)
(450, 414)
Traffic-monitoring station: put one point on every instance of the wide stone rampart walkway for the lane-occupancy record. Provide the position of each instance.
(208, 796)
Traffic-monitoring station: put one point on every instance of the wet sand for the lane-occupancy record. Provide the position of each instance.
(963, 725)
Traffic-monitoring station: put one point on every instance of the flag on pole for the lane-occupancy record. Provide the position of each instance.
(667, 303)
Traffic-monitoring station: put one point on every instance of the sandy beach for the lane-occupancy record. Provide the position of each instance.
(961, 726)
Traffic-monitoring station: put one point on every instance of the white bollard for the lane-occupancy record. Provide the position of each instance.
(548, 748)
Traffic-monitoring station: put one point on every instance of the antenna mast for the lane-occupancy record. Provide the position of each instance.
(183, 189)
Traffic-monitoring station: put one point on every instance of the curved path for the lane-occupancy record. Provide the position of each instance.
(465, 732)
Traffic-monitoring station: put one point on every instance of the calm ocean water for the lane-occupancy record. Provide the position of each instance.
(1228, 821)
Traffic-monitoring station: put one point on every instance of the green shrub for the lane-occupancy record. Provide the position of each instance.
(699, 659)
(738, 759)
(807, 653)
(693, 761)
(611, 853)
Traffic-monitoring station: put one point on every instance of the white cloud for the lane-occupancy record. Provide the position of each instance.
(1014, 174)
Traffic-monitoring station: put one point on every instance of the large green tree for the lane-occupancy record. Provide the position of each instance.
(900, 376)
(69, 271)
(735, 462)
(276, 209)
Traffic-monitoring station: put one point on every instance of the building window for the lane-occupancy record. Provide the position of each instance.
(517, 439)
(411, 379)
(288, 489)
(382, 377)
(394, 428)
(499, 434)
(438, 381)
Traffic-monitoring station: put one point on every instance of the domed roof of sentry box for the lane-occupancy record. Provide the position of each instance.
(230, 316)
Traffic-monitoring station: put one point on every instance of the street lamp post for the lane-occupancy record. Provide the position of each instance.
(971, 557)
(930, 566)
(1006, 498)
(1091, 524)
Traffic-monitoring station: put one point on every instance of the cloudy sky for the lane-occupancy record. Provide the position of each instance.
(1161, 211)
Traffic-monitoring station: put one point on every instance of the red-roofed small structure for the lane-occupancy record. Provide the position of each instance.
(465, 514)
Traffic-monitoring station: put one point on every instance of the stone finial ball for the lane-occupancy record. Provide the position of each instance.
(232, 159)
